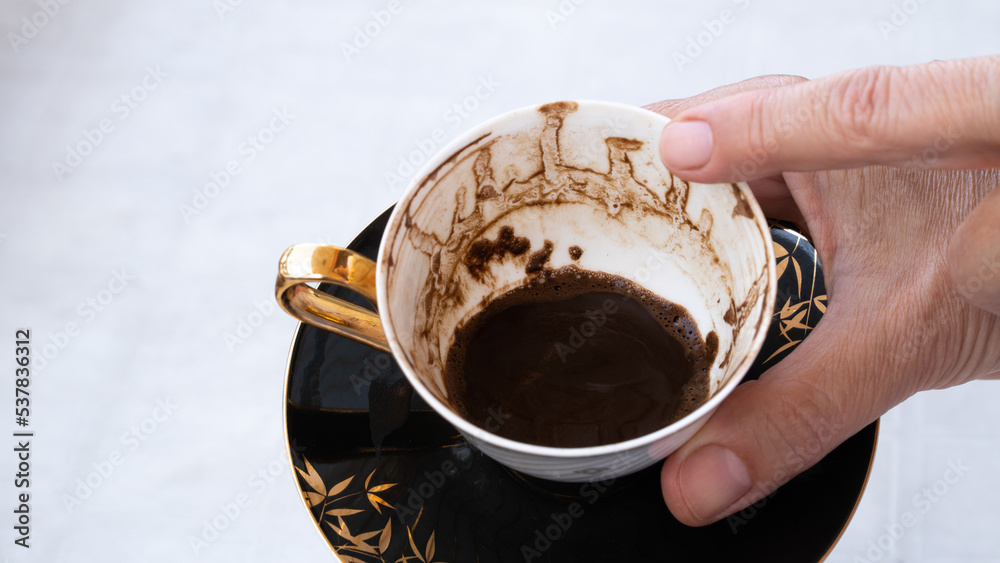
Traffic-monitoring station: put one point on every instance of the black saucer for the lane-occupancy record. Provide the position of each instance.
(387, 479)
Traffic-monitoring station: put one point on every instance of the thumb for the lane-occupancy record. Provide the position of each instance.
(772, 429)
(936, 115)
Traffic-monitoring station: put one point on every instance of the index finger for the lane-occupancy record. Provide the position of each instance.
(771, 193)
(938, 115)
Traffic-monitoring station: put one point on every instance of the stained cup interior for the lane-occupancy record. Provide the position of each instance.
(575, 174)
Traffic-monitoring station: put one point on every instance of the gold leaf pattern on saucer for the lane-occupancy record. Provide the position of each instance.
(364, 547)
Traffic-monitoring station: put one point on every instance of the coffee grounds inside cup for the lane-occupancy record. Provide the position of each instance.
(576, 358)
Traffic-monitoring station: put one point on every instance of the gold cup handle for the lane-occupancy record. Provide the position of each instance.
(304, 263)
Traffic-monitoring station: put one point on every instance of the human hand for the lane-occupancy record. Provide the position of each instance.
(911, 256)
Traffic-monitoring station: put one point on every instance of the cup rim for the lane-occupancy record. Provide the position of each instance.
(465, 427)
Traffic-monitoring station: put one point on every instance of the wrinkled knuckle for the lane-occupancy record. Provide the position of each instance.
(860, 105)
(758, 133)
(985, 78)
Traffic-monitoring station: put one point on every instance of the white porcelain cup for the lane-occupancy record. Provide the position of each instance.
(585, 174)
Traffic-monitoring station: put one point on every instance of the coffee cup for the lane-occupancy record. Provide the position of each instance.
(559, 189)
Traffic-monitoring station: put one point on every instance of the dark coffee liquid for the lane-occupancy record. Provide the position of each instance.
(578, 358)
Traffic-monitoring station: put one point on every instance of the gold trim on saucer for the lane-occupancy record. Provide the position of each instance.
(861, 493)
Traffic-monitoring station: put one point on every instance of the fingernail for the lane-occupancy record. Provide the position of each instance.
(686, 145)
(712, 479)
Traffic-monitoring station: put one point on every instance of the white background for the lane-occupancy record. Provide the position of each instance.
(320, 179)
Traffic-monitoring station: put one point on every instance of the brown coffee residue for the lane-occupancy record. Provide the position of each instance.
(730, 316)
(737, 315)
(560, 108)
(538, 258)
(615, 190)
(482, 251)
(742, 207)
(575, 252)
